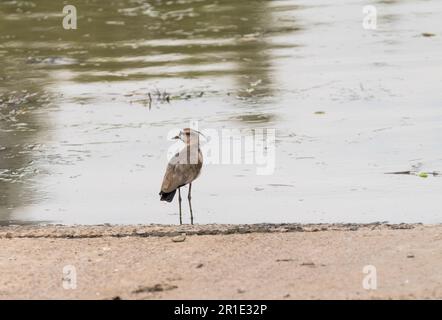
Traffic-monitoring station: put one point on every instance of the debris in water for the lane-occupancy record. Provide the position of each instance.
(419, 174)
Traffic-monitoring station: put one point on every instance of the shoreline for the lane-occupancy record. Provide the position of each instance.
(263, 261)
(164, 230)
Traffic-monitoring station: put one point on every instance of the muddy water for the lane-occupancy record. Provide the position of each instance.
(82, 142)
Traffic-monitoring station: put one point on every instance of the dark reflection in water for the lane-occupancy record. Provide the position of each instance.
(20, 130)
(140, 39)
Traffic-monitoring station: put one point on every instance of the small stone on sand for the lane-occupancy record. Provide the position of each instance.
(179, 238)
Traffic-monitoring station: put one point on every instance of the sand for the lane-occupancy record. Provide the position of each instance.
(265, 261)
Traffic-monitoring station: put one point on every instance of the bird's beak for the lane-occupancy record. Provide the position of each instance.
(176, 138)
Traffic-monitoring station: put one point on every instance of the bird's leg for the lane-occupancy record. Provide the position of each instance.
(179, 202)
(189, 197)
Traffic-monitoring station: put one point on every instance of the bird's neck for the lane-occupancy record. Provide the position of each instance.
(193, 144)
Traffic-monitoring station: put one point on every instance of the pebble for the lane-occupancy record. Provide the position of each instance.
(179, 238)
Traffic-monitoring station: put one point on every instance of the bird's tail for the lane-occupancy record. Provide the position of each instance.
(167, 196)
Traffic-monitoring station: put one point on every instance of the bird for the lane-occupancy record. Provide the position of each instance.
(183, 169)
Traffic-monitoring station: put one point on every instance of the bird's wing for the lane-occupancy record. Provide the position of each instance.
(179, 172)
(170, 179)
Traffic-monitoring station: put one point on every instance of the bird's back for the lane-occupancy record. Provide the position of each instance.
(181, 171)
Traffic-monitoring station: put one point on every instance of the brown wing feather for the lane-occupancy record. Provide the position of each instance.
(179, 172)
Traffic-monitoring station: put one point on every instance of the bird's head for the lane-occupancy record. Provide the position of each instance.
(189, 136)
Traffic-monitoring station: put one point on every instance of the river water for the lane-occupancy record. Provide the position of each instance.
(81, 141)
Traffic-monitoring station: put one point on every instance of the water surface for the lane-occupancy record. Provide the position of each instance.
(80, 141)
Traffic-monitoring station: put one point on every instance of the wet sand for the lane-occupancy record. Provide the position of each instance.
(266, 261)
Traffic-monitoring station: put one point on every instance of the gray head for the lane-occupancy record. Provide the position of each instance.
(189, 136)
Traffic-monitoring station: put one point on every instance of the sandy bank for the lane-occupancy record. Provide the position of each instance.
(285, 261)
